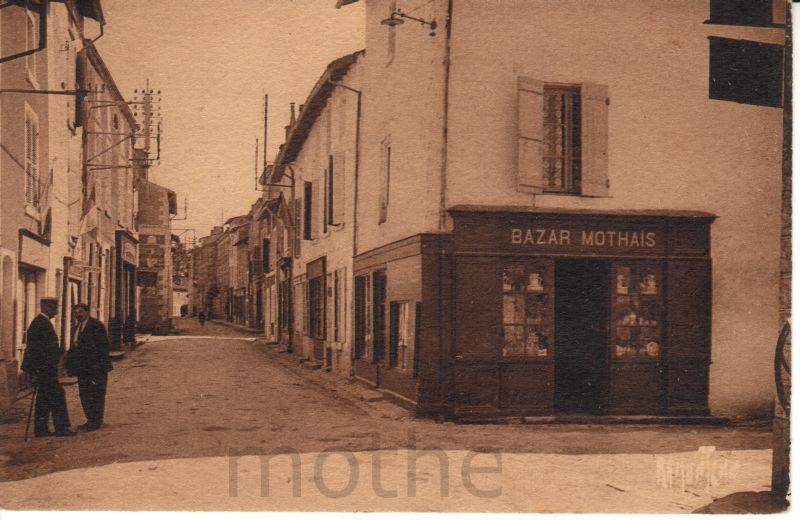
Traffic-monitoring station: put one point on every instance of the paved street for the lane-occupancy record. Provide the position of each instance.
(180, 405)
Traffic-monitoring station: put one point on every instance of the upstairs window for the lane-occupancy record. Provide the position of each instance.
(562, 138)
(31, 41)
(748, 12)
(746, 72)
(308, 192)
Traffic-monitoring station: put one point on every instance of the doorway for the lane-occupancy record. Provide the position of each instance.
(581, 339)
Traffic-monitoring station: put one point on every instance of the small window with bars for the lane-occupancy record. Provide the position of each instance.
(561, 156)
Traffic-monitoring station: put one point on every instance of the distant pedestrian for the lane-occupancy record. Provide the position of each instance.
(129, 331)
(201, 317)
(40, 362)
(90, 362)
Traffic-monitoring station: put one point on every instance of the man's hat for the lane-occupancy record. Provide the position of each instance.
(48, 299)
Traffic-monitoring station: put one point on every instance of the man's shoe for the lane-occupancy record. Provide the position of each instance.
(93, 426)
(64, 433)
(46, 433)
(84, 426)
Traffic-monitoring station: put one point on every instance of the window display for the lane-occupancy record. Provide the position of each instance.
(636, 311)
(527, 310)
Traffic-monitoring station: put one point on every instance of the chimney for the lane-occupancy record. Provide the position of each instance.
(293, 120)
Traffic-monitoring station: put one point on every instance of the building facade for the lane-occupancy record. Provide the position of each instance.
(479, 230)
(538, 229)
(67, 200)
(155, 274)
(313, 226)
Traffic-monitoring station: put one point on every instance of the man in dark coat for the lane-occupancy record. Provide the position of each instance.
(40, 362)
(89, 361)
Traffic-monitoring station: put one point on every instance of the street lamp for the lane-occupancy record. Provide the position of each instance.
(398, 18)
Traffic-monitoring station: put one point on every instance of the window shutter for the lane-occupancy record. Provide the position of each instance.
(530, 127)
(338, 188)
(298, 209)
(594, 137)
(779, 8)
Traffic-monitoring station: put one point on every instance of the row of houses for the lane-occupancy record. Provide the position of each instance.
(74, 187)
(529, 208)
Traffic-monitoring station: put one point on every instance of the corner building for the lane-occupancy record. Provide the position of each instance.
(570, 207)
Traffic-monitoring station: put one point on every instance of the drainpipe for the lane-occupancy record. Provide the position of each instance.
(355, 196)
(443, 185)
(65, 308)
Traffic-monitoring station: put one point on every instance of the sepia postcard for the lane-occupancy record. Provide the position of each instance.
(493, 256)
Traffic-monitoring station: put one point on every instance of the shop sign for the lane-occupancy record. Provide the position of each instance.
(594, 238)
(585, 237)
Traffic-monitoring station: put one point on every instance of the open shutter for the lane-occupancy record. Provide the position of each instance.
(338, 188)
(688, 326)
(530, 129)
(594, 140)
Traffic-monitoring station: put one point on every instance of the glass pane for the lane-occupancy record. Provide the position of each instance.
(514, 278)
(553, 172)
(513, 340)
(537, 344)
(514, 308)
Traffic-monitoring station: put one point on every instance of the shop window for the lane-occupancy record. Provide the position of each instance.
(527, 311)
(748, 12)
(400, 335)
(32, 188)
(562, 136)
(316, 307)
(636, 311)
(746, 72)
(378, 315)
(338, 305)
(363, 321)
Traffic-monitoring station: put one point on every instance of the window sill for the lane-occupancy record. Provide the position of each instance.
(738, 24)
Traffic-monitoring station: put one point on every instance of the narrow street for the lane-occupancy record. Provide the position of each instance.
(179, 406)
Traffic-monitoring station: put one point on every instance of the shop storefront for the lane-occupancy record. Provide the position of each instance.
(574, 312)
(536, 312)
(126, 262)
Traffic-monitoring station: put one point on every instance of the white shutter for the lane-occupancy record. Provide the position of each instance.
(530, 129)
(338, 188)
(594, 140)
